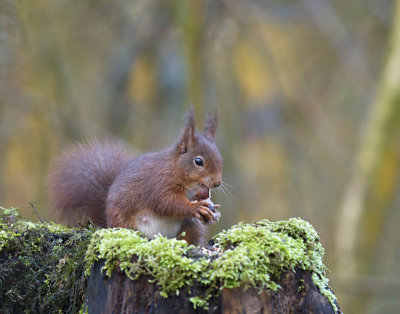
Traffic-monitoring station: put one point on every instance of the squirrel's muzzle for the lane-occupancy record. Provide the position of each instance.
(216, 184)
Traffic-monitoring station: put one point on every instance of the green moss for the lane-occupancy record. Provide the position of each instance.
(42, 265)
(260, 252)
(45, 266)
(163, 259)
(322, 283)
(252, 255)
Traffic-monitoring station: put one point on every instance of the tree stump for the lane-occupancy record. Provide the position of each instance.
(261, 267)
(119, 294)
(267, 267)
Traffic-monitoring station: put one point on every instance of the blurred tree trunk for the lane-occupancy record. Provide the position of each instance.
(189, 16)
(371, 188)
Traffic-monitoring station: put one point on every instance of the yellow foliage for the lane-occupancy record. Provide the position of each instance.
(141, 84)
(17, 170)
(25, 166)
(266, 166)
(251, 72)
(264, 157)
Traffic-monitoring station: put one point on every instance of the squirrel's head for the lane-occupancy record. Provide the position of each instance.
(197, 154)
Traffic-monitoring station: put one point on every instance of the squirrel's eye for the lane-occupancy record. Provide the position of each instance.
(199, 162)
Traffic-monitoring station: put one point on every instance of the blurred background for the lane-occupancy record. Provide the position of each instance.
(308, 94)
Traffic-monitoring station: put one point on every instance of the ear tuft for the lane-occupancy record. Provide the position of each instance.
(211, 125)
(188, 135)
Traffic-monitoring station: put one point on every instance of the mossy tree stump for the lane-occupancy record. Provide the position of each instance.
(263, 267)
(119, 294)
(270, 267)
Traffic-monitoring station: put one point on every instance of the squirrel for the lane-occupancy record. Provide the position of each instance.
(164, 192)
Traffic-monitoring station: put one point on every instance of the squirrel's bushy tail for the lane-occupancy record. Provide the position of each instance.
(79, 180)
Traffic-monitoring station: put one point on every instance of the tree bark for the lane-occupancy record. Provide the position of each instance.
(119, 294)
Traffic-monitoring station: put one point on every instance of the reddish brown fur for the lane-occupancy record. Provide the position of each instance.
(101, 183)
(193, 231)
(79, 180)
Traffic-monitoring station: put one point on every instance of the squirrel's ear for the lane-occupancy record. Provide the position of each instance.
(188, 135)
(211, 125)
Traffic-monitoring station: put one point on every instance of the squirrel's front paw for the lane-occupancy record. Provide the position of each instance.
(205, 214)
(217, 214)
(213, 207)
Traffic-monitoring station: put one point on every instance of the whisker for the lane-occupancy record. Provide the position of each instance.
(223, 191)
(229, 190)
(226, 183)
(229, 187)
(231, 199)
(226, 188)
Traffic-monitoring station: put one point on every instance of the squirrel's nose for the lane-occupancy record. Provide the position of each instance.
(217, 184)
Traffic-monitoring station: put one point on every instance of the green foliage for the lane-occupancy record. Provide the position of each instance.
(41, 266)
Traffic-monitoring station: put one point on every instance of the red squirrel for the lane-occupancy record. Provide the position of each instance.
(161, 192)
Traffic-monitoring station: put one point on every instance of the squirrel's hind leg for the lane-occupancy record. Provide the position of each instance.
(193, 231)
